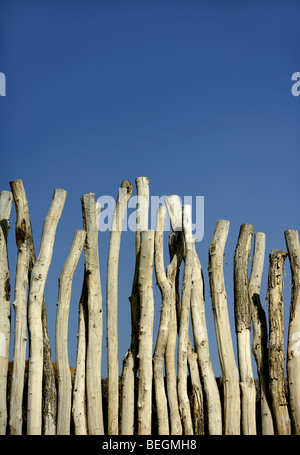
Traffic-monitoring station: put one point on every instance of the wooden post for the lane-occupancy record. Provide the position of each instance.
(260, 332)
(223, 332)
(5, 209)
(79, 390)
(95, 316)
(61, 338)
(24, 238)
(213, 402)
(276, 351)
(35, 302)
(49, 386)
(112, 306)
(162, 338)
(184, 404)
(293, 351)
(177, 247)
(176, 255)
(144, 403)
(242, 311)
(23, 233)
(130, 363)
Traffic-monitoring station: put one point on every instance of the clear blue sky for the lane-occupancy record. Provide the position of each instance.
(196, 95)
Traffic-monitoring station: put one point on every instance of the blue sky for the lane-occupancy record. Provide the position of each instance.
(195, 95)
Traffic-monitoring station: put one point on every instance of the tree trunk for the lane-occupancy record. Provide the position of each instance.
(5, 209)
(260, 332)
(49, 389)
(35, 302)
(293, 351)
(49, 385)
(177, 247)
(162, 338)
(243, 327)
(95, 316)
(130, 362)
(145, 282)
(213, 402)
(23, 232)
(223, 333)
(276, 351)
(176, 254)
(197, 394)
(112, 307)
(61, 338)
(184, 404)
(79, 391)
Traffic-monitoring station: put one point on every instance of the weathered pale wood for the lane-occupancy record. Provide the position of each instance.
(242, 311)
(176, 255)
(144, 404)
(5, 209)
(35, 302)
(223, 332)
(23, 227)
(197, 393)
(174, 207)
(213, 402)
(23, 232)
(95, 316)
(163, 331)
(49, 385)
(61, 334)
(260, 332)
(276, 352)
(79, 390)
(293, 350)
(184, 404)
(177, 250)
(112, 306)
(130, 362)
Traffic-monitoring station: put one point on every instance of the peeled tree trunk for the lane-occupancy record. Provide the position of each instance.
(176, 247)
(23, 234)
(144, 404)
(213, 402)
(24, 240)
(293, 350)
(176, 254)
(49, 386)
(112, 306)
(61, 338)
(223, 332)
(276, 351)
(260, 332)
(95, 316)
(198, 410)
(130, 362)
(184, 404)
(35, 302)
(5, 209)
(79, 391)
(163, 331)
(242, 311)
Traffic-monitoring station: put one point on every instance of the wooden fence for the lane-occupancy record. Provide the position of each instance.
(166, 387)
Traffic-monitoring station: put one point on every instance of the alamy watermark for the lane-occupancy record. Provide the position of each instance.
(134, 220)
(295, 350)
(2, 84)
(296, 86)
